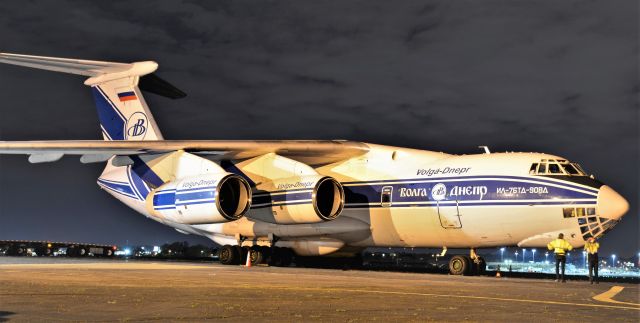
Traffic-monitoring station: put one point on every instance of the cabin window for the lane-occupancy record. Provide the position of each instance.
(591, 211)
(387, 196)
(580, 211)
(554, 169)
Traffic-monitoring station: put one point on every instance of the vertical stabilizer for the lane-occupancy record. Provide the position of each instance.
(122, 110)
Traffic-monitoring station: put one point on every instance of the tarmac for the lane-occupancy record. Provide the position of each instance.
(50, 289)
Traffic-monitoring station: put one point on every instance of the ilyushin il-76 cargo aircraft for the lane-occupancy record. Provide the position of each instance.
(271, 201)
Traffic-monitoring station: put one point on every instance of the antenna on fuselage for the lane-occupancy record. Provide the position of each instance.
(486, 149)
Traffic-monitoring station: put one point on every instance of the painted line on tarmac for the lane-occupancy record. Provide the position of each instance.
(608, 296)
(518, 300)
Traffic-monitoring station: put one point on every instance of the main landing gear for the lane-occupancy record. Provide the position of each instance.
(273, 256)
(471, 265)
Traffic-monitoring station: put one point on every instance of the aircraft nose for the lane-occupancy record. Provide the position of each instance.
(611, 205)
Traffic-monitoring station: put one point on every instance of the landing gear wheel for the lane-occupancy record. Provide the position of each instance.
(229, 255)
(276, 257)
(255, 255)
(459, 265)
(480, 268)
(287, 257)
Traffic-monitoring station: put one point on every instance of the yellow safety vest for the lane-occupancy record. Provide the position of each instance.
(591, 248)
(559, 246)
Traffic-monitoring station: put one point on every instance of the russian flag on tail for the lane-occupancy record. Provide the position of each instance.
(127, 96)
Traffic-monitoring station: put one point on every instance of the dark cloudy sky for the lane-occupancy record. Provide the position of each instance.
(549, 76)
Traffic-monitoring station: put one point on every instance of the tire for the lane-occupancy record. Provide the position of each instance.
(480, 267)
(255, 254)
(266, 253)
(276, 257)
(459, 265)
(286, 255)
(229, 255)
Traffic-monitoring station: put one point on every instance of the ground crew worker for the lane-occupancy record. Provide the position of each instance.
(591, 247)
(559, 247)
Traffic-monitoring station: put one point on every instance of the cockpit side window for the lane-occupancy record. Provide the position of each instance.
(554, 169)
(570, 169)
(577, 166)
(533, 169)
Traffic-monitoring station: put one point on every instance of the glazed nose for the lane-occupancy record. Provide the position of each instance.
(611, 205)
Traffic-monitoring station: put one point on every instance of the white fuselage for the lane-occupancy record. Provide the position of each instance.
(411, 198)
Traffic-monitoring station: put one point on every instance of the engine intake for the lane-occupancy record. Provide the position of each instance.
(328, 198)
(234, 197)
(296, 200)
(210, 198)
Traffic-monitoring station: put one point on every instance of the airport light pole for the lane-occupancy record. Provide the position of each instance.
(516, 256)
(546, 256)
(524, 252)
(534, 255)
(613, 260)
(502, 254)
(584, 258)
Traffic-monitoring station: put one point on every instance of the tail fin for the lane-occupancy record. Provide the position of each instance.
(122, 110)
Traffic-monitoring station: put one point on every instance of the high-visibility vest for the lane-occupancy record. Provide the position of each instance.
(591, 248)
(559, 246)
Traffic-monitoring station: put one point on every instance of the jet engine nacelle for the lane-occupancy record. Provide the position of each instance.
(207, 198)
(299, 199)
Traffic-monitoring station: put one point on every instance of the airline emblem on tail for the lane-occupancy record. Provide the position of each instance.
(137, 126)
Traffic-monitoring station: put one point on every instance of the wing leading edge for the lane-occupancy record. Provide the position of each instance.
(312, 152)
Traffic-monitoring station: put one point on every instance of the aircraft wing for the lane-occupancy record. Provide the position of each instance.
(313, 152)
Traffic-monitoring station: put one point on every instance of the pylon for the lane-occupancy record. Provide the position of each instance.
(248, 263)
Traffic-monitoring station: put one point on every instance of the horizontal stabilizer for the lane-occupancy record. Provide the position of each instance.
(154, 84)
(98, 71)
(64, 65)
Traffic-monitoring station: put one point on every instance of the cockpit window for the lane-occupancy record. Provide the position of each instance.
(579, 168)
(554, 169)
(542, 169)
(570, 169)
